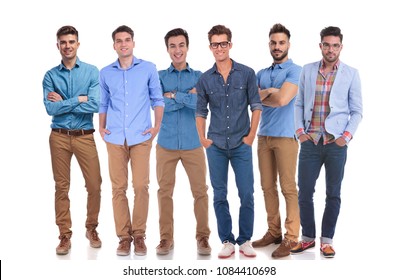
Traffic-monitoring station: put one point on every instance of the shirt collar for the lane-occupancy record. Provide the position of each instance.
(235, 66)
(172, 68)
(136, 61)
(335, 66)
(77, 64)
(285, 64)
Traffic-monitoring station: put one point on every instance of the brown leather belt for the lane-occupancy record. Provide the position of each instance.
(75, 132)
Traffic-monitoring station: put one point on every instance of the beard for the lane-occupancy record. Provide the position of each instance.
(330, 59)
(279, 58)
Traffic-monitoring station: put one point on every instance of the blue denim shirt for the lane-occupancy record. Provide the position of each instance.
(178, 129)
(228, 103)
(278, 121)
(81, 80)
(126, 97)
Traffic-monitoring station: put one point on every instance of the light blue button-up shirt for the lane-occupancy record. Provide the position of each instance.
(81, 80)
(278, 121)
(178, 129)
(126, 97)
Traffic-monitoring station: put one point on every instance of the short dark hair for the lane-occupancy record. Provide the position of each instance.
(220, 30)
(176, 32)
(279, 28)
(66, 30)
(123, 28)
(331, 31)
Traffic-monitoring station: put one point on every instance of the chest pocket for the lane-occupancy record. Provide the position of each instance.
(239, 96)
(214, 98)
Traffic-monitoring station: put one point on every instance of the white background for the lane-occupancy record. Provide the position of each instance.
(366, 230)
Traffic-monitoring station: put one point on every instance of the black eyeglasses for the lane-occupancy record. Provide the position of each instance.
(222, 44)
(326, 46)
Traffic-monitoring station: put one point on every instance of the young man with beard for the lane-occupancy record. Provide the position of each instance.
(277, 145)
(328, 112)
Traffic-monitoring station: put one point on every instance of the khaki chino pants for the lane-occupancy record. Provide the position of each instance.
(118, 158)
(278, 156)
(194, 164)
(62, 148)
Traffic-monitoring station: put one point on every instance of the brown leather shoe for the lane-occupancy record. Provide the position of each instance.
(164, 247)
(95, 241)
(266, 240)
(204, 246)
(124, 247)
(64, 245)
(327, 250)
(302, 246)
(284, 249)
(139, 245)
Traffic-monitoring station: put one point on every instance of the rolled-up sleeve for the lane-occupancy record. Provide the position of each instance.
(201, 105)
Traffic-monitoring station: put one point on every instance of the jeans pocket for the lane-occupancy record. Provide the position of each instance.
(338, 146)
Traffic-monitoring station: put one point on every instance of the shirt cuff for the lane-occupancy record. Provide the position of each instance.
(347, 136)
(300, 132)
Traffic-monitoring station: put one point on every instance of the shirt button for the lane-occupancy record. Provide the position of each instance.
(227, 117)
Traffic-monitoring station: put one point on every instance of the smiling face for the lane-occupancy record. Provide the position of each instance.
(220, 53)
(67, 46)
(123, 44)
(279, 47)
(178, 49)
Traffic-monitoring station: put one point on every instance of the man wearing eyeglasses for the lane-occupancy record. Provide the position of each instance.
(328, 111)
(277, 145)
(229, 88)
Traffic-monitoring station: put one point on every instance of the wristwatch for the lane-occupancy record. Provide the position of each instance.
(173, 94)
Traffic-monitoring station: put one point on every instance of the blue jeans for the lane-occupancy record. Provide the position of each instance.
(311, 159)
(242, 165)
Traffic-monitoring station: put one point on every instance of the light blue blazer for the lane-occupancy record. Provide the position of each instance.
(345, 100)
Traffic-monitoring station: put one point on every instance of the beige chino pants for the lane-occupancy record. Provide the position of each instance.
(62, 148)
(278, 156)
(194, 164)
(118, 158)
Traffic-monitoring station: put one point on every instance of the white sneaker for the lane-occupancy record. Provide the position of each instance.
(227, 250)
(247, 249)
